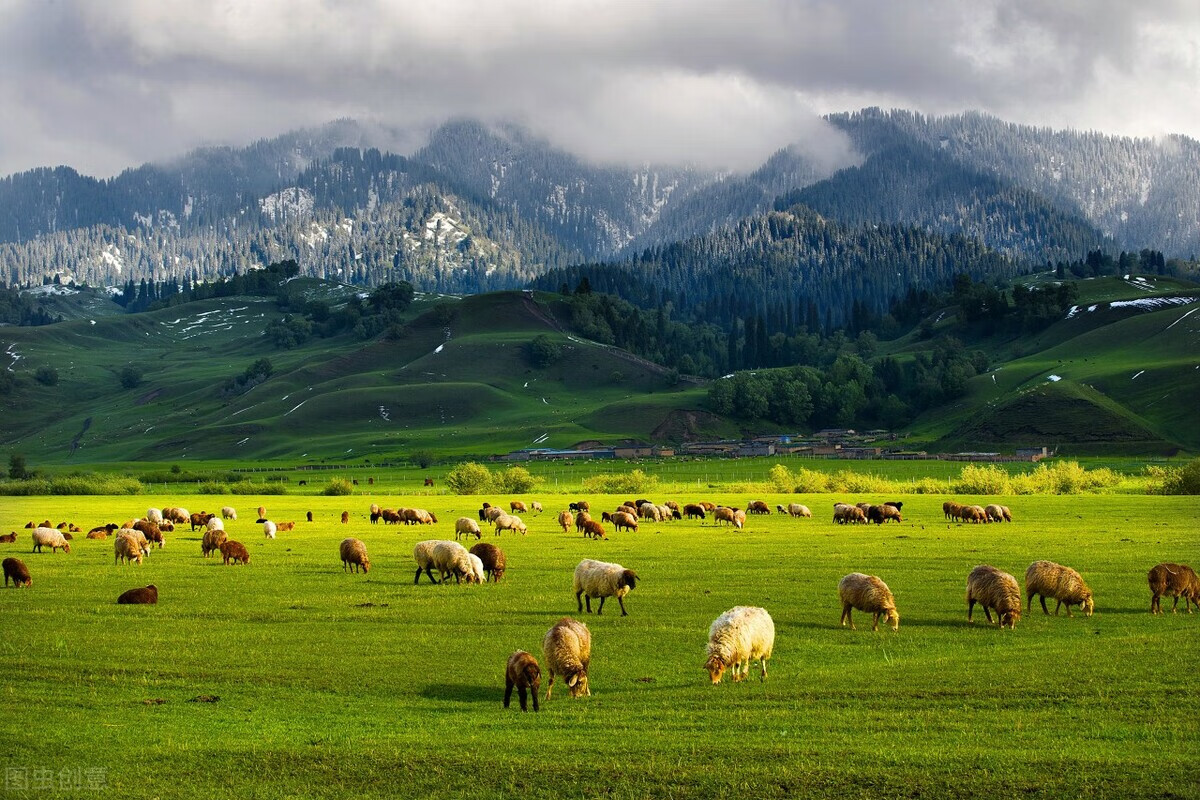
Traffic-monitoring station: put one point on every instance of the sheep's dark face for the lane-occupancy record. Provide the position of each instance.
(533, 677)
(629, 578)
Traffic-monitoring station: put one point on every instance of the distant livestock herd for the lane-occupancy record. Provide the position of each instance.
(736, 638)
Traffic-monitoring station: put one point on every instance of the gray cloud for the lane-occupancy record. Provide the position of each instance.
(722, 83)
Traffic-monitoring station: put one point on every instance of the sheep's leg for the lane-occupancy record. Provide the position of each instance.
(533, 693)
(624, 613)
(970, 608)
(523, 692)
(1068, 609)
(588, 599)
(762, 662)
(1175, 605)
(417, 577)
(600, 608)
(1042, 600)
(508, 687)
(987, 612)
(579, 602)
(549, 684)
(875, 626)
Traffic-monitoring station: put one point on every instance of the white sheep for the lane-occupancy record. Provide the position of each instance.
(737, 637)
(477, 575)
(445, 556)
(602, 579)
(269, 529)
(49, 537)
(229, 512)
(154, 515)
(215, 524)
(798, 510)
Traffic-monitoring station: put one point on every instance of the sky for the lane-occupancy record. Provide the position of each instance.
(101, 85)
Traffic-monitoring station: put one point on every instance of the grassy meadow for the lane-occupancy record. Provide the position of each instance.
(343, 685)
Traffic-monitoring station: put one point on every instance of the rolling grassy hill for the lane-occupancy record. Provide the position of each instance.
(459, 382)
(462, 386)
(1120, 374)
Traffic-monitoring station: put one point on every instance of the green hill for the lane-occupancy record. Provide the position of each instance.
(457, 381)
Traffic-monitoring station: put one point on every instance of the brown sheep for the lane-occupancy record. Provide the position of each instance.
(523, 672)
(693, 510)
(199, 519)
(997, 590)
(517, 505)
(606, 517)
(9, 538)
(951, 509)
(390, 516)
(1173, 580)
(582, 505)
(707, 506)
(622, 520)
(418, 516)
(581, 518)
(345, 517)
(285, 526)
(565, 519)
(234, 551)
(262, 512)
(847, 515)
(973, 514)
(213, 539)
(152, 531)
(15, 568)
(354, 555)
(869, 594)
(723, 514)
(494, 561)
(102, 531)
(758, 507)
(147, 595)
(593, 529)
(308, 516)
(1047, 579)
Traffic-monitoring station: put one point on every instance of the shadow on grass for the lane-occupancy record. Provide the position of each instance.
(465, 693)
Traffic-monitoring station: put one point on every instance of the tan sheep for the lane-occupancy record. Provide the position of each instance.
(465, 526)
(566, 519)
(213, 539)
(126, 549)
(602, 579)
(869, 594)
(354, 555)
(723, 514)
(567, 650)
(997, 590)
(507, 522)
(620, 520)
(798, 510)
(1173, 580)
(1047, 579)
(994, 512)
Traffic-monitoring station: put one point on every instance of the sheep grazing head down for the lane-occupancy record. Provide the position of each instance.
(1087, 604)
(716, 667)
(577, 684)
(892, 618)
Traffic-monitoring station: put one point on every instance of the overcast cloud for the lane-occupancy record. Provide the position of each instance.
(105, 85)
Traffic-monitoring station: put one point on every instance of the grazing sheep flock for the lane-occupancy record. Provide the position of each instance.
(736, 638)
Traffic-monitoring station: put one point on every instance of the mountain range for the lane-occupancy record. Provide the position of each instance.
(481, 207)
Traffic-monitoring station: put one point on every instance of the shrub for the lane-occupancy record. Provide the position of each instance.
(46, 376)
(811, 481)
(239, 487)
(423, 458)
(781, 478)
(130, 377)
(85, 484)
(636, 482)
(1185, 480)
(338, 487)
(514, 480)
(983, 479)
(859, 482)
(469, 478)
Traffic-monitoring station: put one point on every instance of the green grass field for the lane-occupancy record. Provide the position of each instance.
(340, 685)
